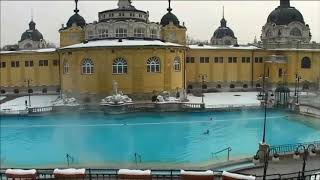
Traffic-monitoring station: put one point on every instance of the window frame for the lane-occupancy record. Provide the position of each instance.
(154, 65)
(87, 66)
(120, 65)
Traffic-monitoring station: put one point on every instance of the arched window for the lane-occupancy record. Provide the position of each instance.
(87, 66)
(139, 32)
(119, 66)
(121, 33)
(153, 64)
(268, 33)
(66, 67)
(189, 87)
(219, 86)
(306, 63)
(16, 91)
(295, 32)
(3, 91)
(44, 91)
(153, 33)
(177, 64)
(102, 33)
(245, 86)
(204, 86)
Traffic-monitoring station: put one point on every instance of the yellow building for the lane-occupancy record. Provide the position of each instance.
(146, 57)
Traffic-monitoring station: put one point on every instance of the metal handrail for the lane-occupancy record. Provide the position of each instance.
(288, 148)
(229, 149)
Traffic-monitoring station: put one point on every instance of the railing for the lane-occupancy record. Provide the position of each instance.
(137, 159)
(232, 106)
(290, 148)
(221, 151)
(108, 174)
(192, 105)
(40, 109)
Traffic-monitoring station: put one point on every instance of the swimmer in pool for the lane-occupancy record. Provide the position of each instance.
(207, 132)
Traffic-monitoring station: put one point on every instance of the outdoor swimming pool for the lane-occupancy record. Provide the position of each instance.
(98, 140)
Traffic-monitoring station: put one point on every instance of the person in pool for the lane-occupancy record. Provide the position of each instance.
(207, 132)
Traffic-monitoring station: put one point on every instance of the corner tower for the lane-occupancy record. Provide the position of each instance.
(285, 26)
(73, 33)
(171, 30)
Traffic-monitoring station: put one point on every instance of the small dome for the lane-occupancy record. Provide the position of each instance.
(32, 33)
(169, 17)
(223, 32)
(77, 19)
(285, 15)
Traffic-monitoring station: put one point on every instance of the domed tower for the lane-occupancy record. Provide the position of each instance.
(285, 25)
(73, 33)
(223, 35)
(171, 30)
(31, 38)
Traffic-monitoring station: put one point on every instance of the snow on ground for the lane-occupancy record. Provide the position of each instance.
(225, 99)
(36, 101)
(2, 97)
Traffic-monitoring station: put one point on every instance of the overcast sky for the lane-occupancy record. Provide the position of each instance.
(201, 18)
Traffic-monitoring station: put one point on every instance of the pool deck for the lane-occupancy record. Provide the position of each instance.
(285, 166)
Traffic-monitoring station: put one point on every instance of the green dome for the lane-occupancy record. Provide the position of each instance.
(77, 19)
(169, 17)
(285, 15)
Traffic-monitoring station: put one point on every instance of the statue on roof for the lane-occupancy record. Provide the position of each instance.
(125, 4)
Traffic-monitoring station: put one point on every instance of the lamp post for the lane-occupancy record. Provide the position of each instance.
(202, 77)
(304, 155)
(28, 83)
(298, 78)
(265, 97)
(266, 156)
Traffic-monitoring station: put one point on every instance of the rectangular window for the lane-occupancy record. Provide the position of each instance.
(216, 59)
(220, 59)
(43, 63)
(204, 59)
(280, 73)
(260, 59)
(3, 64)
(40, 62)
(248, 59)
(55, 62)
(229, 59)
(201, 59)
(256, 59)
(191, 59)
(26, 63)
(243, 60)
(234, 60)
(15, 64)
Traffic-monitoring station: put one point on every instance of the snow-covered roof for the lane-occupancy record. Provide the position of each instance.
(29, 51)
(222, 47)
(296, 49)
(123, 43)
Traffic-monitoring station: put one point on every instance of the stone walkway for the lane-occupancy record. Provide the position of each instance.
(286, 166)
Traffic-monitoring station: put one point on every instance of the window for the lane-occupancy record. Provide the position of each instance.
(280, 73)
(248, 59)
(30, 91)
(153, 64)
(120, 66)
(260, 59)
(3, 91)
(121, 33)
(44, 91)
(90, 34)
(234, 60)
(43, 63)
(15, 64)
(204, 86)
(153, 34)
(218, 60)
(258, 85)
(232, 86)
(229, 59)
(295, 32)
(177, 64)
(28, 63)
(16, 91)
(204, 59)
(245, 59)
(103, 33)
(306, 63)
(269, 33)
(139, 32)
(66, 68)
(87, 66)
(3, 64)
(245, 86)
(190, 59)
(55, 62)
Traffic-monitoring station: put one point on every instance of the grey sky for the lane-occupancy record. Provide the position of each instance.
(246, 18)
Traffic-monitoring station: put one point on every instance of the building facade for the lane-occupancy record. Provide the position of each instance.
(146, 57)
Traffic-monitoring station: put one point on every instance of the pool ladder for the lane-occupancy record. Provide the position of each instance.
(221, 151)
(69, 157)
(137, 159)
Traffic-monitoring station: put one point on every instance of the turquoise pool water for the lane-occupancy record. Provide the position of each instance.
(100, 140)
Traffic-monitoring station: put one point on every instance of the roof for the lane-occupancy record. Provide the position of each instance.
(285, 15)
(223, 47)
(30, 51)
(169, 17)
(123, 43)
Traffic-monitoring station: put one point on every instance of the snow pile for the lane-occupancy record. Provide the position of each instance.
(227, 99)
(2, 97)
(134, 172)
(237, 176)
(36, 101)
(197, 173)
(70, 171)
(21, 172)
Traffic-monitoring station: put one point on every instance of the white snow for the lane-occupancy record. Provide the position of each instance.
(21, 172)
(125, 42)
(2, 97)
(222, 47)
(70, 171)
(36, 101)
(237, 176)
(227, 99)
(134, 172)
(197, 173)
(29, 51)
